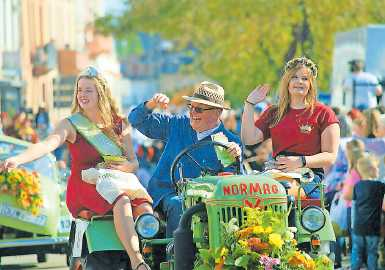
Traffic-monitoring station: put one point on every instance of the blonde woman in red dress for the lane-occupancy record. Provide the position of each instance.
(304, 132)
(93, 101)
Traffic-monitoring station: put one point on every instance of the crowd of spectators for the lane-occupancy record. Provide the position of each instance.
(32, 128)
(362, 132)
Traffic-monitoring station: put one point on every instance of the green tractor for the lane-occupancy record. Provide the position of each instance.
(212, 200)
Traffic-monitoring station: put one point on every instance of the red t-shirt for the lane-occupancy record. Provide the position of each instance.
(299, 131)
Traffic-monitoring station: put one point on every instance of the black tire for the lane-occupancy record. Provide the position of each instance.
(112, 260)
(41, 258)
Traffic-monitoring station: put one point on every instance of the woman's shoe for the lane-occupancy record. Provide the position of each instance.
(142, 264)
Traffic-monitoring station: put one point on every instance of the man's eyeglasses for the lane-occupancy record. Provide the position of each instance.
(198, 109)
(90, 71)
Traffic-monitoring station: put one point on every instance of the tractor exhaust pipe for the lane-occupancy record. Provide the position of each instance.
(184, 248)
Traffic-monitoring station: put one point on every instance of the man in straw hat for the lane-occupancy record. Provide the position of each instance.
(179, 132)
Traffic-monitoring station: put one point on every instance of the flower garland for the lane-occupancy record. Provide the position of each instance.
(25, 186)
(263, 243)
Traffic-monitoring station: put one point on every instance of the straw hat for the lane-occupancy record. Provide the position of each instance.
(210, 94)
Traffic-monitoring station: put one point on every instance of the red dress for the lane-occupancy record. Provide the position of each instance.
(81, 195)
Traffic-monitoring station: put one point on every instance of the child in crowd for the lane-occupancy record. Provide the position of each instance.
(368, 196)
(355, 149)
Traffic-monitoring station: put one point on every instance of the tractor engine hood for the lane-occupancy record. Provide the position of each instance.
(253, 191)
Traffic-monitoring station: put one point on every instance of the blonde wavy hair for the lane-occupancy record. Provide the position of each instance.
(284, 97)
(109, 111)
(366, 166)
(355, 149)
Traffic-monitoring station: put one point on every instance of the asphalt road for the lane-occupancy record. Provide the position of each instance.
(57, 262)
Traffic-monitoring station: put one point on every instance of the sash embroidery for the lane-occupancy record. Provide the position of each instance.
(103, 144)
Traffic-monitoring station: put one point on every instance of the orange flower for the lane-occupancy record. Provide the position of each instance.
(244, 233)
(25, 203)
(261, 247)
(34, 189)
(21, 186)
(302, 260)
(219, 266)
(253, 241)
(25, 187)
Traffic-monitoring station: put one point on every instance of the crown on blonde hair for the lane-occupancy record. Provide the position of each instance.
(302, 61)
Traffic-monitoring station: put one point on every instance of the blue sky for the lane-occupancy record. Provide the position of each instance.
(113, 6)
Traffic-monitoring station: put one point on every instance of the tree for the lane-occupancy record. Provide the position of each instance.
(246, 43)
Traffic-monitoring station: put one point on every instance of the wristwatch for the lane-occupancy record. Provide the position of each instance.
(303, 160)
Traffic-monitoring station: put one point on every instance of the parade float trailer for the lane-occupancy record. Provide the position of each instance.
(33, 216)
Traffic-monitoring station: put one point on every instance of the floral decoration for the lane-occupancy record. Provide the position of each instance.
(25, 186)
(264, 243)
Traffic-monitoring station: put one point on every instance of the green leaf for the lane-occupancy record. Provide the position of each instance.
(229, 260)
(242, 261)
(202, 267)
(205, 254)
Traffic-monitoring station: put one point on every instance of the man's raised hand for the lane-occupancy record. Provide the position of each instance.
(158, 100)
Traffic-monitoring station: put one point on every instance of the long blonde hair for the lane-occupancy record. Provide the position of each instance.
(366, 166)
(355, 149)
(284, 97)
(109, 111)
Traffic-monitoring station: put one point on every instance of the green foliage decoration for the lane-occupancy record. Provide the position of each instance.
(246, 43)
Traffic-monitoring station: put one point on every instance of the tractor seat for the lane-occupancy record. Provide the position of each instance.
(88, 215)
(305, 202)
(225, 173)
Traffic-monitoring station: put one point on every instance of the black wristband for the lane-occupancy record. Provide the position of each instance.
(303, 160)
(251, 103)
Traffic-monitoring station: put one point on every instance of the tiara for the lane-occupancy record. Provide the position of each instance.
(302, 61)
(89, 71)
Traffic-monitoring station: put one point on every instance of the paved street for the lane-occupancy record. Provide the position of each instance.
(57, 262)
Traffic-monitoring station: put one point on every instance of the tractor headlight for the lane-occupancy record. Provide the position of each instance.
(313, 219)
(147, 225)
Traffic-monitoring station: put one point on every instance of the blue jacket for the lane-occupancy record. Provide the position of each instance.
(177, 133)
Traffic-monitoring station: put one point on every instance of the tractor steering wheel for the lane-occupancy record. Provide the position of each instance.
(187, 152)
